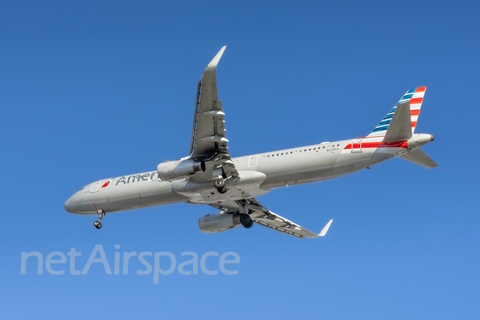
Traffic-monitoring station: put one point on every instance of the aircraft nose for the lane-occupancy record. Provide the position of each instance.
(68, 205)
(71, 204)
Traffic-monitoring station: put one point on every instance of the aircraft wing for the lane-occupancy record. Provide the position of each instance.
(209, 141)
(267, 218)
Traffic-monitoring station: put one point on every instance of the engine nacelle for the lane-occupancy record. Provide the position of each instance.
(219, 222)
(179, 169)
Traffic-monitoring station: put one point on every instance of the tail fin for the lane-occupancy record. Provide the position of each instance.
(412, 96)
(419, 157)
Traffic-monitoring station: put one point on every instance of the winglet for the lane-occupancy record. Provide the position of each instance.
(216, 59)
(325, 229)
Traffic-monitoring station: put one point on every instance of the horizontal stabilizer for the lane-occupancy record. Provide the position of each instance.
(400, 127)
(419, 157)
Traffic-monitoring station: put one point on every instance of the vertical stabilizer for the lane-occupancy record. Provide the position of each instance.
(415, 98)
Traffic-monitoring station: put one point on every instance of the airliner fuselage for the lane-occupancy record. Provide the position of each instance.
(259, 174)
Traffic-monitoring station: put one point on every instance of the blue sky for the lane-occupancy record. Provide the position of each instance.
(91, 90)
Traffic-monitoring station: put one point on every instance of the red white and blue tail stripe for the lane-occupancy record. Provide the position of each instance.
(415, 97)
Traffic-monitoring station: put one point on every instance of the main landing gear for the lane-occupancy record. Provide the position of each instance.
(246, 221)
(220, 185)
(98, 223)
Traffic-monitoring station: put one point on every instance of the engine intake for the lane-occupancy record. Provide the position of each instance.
(179, 169)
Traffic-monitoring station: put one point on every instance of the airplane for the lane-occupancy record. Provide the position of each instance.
(209, 175)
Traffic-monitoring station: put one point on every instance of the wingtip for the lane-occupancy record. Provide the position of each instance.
(216, 59)
(325, 229)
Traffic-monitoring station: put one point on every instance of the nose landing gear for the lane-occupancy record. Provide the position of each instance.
(98, 223)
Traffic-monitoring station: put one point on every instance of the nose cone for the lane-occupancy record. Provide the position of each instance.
(73, 204)
(68, 206)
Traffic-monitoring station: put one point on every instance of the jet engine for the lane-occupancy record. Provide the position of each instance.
(219, 222)
(170, 170)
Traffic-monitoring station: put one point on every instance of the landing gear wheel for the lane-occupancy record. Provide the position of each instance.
(98, 223)
(223, 189)
(246, 221)
(219, 183)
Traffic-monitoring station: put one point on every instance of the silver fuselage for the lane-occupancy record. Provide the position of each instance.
(259, 174)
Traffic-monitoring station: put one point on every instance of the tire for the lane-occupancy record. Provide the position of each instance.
(246, 221)
(219, 183)
(223, 189)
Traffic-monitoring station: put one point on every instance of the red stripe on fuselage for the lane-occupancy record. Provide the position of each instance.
(367, 145)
